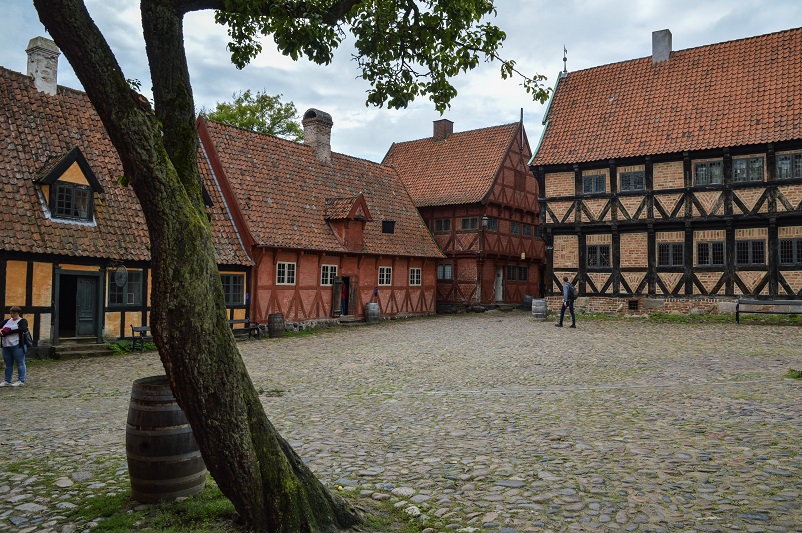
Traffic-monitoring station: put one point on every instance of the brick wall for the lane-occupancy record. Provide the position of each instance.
(645, 306)
(668, 175)
(566, 251)
(560, 184)
(634, 250)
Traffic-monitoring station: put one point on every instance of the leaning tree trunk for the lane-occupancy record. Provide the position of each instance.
(254, 466)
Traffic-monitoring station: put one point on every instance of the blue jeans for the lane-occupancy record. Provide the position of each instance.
(570, 307)
(12, 355)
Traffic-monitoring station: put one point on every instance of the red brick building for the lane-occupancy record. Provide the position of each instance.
(675, 181)
(324, 229)
(480, 202)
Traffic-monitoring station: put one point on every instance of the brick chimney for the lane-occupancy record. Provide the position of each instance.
(43, 64)
(317, 133)
(442, 129)
(661, 46)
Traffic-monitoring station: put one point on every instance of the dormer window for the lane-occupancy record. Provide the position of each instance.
(69, 186)
(69, 200)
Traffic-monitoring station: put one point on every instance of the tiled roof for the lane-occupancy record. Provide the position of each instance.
(457, 170)
(339, 208)
(728, 94)
(36, 132)
(283, 192)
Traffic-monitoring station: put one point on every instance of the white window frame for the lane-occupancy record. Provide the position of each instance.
(327, 275)
(385, 276)
(415, 275)
(285, 273)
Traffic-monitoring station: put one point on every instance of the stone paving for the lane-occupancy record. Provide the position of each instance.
(473, 423)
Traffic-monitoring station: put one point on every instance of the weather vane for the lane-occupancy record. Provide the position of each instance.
(565, 61)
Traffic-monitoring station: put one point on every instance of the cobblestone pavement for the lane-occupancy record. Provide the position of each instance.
(488, 422)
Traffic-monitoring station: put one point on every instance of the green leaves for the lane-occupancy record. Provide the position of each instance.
(405, 48)
(261, 113)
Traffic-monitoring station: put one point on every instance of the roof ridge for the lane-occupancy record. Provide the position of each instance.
(458, 133)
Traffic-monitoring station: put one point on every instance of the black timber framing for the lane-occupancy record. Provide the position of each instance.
(726, 218)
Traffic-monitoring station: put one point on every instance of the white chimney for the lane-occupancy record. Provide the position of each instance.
(317, 133)
(661, 46)
(43, 64)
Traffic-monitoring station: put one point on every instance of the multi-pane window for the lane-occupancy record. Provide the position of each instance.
(130, 293)
(750, 252)
(71, 201)
(710, 253)
(492, 224)
(233, 288)
(523, 273)
(708, 173)
(327, 274)
(527, 230)
(442, 225)
(444, 272)
(414, 276)
(515, 228)
(594, 184)
(598, 255)
(470, 223)
(789, 166)
(633, 181)
(385, 275)
(790, 251)
(511, 272)
(285, 274)
(747, 169)
(670, 254)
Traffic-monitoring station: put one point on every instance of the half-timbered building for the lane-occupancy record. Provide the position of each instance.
(329, 233)
(674, 182)
(480, 201)
(75, 253)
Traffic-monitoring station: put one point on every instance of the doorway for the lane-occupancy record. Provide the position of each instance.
(499, 285)
(77, 306)
(340, 296)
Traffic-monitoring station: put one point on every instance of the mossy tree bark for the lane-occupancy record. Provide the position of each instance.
(254, 466)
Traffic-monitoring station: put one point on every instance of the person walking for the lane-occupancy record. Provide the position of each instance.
(14, 348)
(568, 301)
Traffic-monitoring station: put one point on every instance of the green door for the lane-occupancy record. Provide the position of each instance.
(86, 307)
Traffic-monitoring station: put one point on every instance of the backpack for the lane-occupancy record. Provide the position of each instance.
(573, 293)
(26, 340)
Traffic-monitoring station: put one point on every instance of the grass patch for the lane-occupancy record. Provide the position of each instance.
(123, 346)
(794, 374)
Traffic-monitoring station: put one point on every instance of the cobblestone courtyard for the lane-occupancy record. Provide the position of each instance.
(486, 422)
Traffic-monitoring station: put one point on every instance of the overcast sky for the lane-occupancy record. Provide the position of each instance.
(595, 32)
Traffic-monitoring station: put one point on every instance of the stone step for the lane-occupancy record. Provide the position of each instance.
(75, 351)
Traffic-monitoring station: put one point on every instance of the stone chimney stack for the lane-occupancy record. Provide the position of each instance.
(43, 64)
(317, 133)
(442, 129)
(661, 46)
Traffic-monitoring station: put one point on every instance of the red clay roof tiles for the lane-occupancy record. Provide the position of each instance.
(36, 131)
(457, 170)
(284, 193)
(734, 93)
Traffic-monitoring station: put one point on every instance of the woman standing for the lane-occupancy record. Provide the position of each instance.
(13, 347)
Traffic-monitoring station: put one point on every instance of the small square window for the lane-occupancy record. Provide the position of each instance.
(515, 228)
(708, 173)
(492, 224)
(442, 225)
(69, 200)
(598, 255)
(285, 274)
(388, 226)
(594, 184)
(444, 272)
(633, 181)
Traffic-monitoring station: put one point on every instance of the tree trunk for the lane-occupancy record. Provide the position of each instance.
(254, 466)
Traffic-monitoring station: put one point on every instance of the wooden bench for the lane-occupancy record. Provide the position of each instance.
(768, 307)
(244, 326)
(140, 335)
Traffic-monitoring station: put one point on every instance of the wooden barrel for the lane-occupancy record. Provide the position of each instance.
(372, 312)
(275, 325)
(164, 462)
(539, 309)
(527, 303)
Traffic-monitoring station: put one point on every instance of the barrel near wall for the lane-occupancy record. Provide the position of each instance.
(275, 325)
(527, 303)
(164, 462)
(372, 312)
(539, 309)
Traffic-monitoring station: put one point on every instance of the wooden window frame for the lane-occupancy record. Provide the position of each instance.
(469, 223)
(710, 251)
(794, 166)
(523, 273)
(445, 272)
(750, 171)
(709, 176)
(597, 252)
(442, 225)
(492, 224)
(792, 248)
(63, 201)
(515, 228)
(526, 230)
(233, 288)
(130, 293)
(632, 181)
(750, 252)
(285, 273)
(670, 254)
(385, 276)
(594, 184)
(327, 275)
(415, 276)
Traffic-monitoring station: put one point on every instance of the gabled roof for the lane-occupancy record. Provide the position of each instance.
(40, 134)
(284, 194)
(460, 169)
(351, 208)
(734, 93)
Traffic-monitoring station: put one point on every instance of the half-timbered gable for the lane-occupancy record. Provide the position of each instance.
(329, 233)
(75, 248)
(480, 202)
(675, 181)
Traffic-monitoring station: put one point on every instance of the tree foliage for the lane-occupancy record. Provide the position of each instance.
(405, 48)
(261, 113)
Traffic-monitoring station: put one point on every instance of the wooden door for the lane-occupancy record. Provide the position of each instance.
(86, 307)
